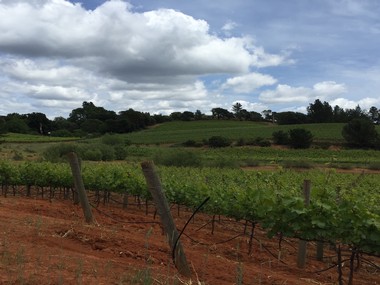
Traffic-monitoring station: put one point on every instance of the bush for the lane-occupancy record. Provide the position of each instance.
(57, 153)
(178, 158)
(91, 154)
(120, 152)
(360, 133)
(192, 143)
(218, 141)
(300, 138)
(280, 138)
(61, 133)
(259, 141)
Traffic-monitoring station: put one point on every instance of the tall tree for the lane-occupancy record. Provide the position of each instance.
(374, 115)
(236, 109)
(221, 113)
(319, 112)
(38, 122)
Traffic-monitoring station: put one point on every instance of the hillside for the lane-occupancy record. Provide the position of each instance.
(179, 131)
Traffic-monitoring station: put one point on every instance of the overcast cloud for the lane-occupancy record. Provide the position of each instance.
(165, 56)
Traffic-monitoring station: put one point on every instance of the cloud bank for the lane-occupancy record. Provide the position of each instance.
(55, 54)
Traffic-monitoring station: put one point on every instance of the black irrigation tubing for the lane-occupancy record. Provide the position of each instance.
(369, 262)
(122, 203)
(211, 244)
(124, 222)
(271, 253)
(330, 267)
(188, 221)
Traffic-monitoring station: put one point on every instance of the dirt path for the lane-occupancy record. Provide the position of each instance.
(47, 242)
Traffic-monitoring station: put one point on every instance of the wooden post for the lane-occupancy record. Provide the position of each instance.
(155, 188)
(320, 246)
(302, 245)
(78, 182)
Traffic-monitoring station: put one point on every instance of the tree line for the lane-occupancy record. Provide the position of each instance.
(91, 119)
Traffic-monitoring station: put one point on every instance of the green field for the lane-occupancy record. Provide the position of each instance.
(178, 132)
(163, 144)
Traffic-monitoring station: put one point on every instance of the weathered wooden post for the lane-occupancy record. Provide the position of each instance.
(302, 245)
(155, 188)
(79, 185)
(320, 247)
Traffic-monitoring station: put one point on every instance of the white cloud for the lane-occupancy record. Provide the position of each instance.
(249, 82)
(252, 106)
(114, 55)
(286, 94)
(229, 26)
(364, 103)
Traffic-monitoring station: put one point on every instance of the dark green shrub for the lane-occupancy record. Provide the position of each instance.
(240, 142)
(280, 138)
(218, 141)
(189, 143)
(300, 138)
(92, 154)
(61, 133)
(178, 158)
(120, 152)
(109, 139)
(57, 153)
(259, 141)
(360, 133)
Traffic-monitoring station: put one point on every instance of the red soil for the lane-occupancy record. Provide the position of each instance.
(48, 242)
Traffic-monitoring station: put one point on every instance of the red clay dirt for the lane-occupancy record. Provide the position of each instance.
(47, 242)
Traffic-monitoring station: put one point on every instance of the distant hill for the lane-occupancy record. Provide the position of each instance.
(179, 131)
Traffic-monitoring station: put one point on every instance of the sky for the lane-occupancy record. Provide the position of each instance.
(164, 56)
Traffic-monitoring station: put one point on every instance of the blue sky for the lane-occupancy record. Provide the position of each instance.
(175, 55)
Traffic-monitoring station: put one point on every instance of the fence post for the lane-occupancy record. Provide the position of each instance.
(79, 186)
(320, 246)
(155, 188)
(302, 245)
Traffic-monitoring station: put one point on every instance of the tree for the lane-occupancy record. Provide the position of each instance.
(38, 122)
(374, 115)
(360, 133)
(290, 118)
(255, 116)
(187, 116)
(237, 108)
(356, 113)
(339, 115)
(16, 125)
(3, 127)
(221, 113)
(90, 111)
(320, 112)
(300, 138)
(198, 115)
(93, 126)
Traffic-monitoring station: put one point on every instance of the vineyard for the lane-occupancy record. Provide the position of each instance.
(343, 214)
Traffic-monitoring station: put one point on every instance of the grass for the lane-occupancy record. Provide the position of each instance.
(164, 144)
(25, 138)
(178, 132)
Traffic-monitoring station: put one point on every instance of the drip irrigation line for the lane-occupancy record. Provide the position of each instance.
(271, 253)
(369, 262)
(123, 222)
(331, 267)
(188, 221)
(211, 244)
